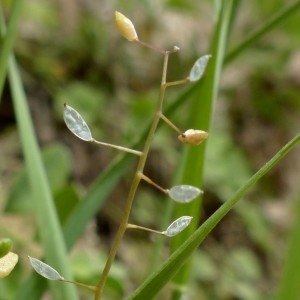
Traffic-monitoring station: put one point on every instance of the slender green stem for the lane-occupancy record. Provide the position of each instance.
(266, 27)
(150, 181)
(133, 226)
(132, 151)
(135, 183)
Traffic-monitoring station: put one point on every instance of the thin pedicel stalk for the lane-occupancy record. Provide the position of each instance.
(135, 182)
(125, 149)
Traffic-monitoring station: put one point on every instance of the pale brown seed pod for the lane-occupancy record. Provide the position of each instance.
(193, 136)
(125, 27)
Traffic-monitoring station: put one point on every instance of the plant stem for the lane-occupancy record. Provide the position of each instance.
(132, 151)
(90, 287)
(147, 179)
(178, 82)
(152, 47)
(135, 182)
(171, 124)
(133, 226)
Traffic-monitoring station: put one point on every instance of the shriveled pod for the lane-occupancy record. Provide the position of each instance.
(193, 136)
(125, 27)
(7, 264)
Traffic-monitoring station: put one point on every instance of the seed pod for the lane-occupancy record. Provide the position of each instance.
(44, 270)
(199, 67)
(125, 27)
(76, 123)
(184, 193)
(193, 136)
(178, 225)
(7, 264)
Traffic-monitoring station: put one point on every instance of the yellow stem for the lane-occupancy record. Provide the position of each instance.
(133, 226)
(135, 182)
(171, 124)
(135, 152)
(147, 179)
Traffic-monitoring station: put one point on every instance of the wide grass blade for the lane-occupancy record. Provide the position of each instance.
(201, 111)
(289, 287)
(155, 282)
(47, 220)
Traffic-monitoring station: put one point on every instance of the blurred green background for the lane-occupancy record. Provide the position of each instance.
(69, 51)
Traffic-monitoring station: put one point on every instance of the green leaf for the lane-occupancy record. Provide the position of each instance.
(48, 223)
(55, 157)
(7, 38)
(5, 246)
(156, 281)
(192, 164)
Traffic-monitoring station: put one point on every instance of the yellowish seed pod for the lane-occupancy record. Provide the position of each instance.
(125, 27)
(193, 136)
(7, 263)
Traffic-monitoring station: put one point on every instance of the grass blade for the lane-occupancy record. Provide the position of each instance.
(8, 37)
(275, 20)
(289, 283)
(155, 282)
(193, 160)
(48, 224)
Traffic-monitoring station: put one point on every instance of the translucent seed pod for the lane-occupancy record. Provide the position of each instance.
(199, 67)
(76, 124)
(44, 270)
(193, 136)
(184, 193)
(178, 225)
(125, 27)
(7, 264)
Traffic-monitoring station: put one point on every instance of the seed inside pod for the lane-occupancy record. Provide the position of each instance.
(193, 136)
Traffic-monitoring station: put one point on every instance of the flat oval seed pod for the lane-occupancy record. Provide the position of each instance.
(76, 124)
(199, 67)
(7, 264)
(184, 193)
(178, 225)
(44, 269)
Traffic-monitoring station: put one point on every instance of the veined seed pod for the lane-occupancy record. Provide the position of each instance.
(193, 136)
(125, 27)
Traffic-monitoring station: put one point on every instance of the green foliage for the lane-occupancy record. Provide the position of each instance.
(86, 67)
